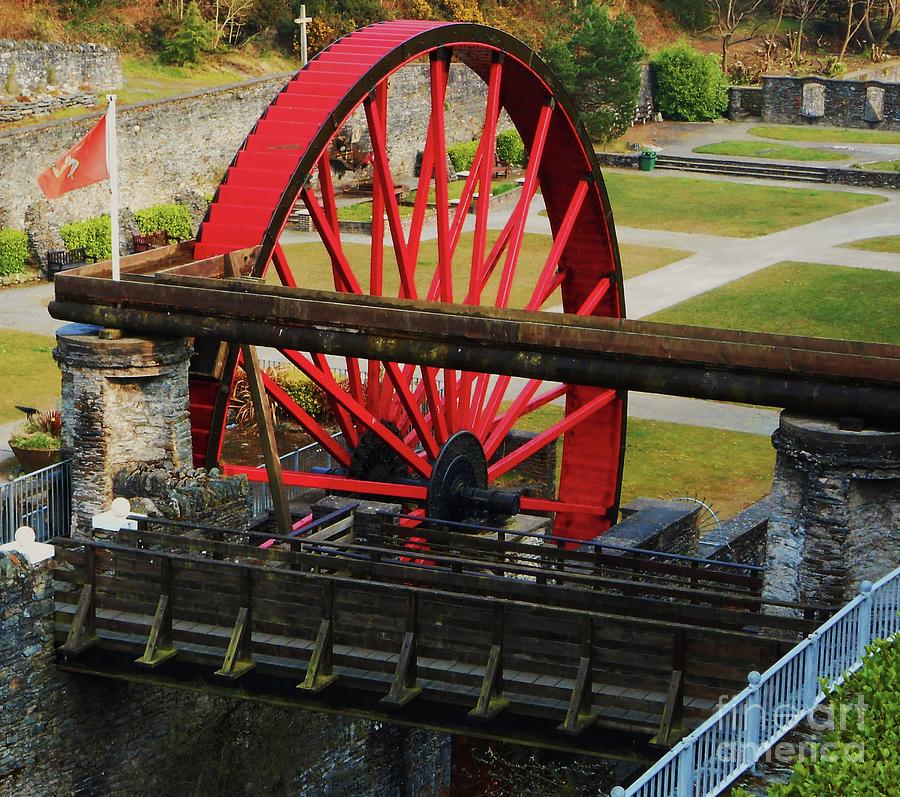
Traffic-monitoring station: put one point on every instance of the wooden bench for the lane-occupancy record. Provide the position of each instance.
(150, 240)
(500, 170)
(63, 260)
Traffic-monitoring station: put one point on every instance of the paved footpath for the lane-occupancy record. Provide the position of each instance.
(715, 261)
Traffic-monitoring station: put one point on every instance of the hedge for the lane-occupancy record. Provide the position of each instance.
(689, 85)
(95, 235)
(174, 219)
(13, 252)
(462, 155)
(510, 148)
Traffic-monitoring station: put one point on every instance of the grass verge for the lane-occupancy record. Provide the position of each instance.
(801, 299)
(728, 470)
(885, 243)
(715, 207)
(312, 266)
(836, 135)
(30, 376)
(763, 149)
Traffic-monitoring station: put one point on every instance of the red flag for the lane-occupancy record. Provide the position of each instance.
(82, 165)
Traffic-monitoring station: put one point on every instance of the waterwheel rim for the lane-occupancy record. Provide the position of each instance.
(401, 404)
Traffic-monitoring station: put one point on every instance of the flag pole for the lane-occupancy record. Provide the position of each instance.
(112, 164)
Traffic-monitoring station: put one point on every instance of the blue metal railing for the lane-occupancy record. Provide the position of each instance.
(713, 756)
(41, 500)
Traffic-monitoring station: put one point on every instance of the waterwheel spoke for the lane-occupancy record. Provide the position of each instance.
(313, 428)
(358, 411)
(594, 298)
(507, 463)
(382, 173)
(544, 288)
(521, 212)
(376, 258)
(413, 412)
(482, 210)
(344, 278)
(282, 267)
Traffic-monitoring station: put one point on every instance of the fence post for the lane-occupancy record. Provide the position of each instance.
(686, 767)
(753, 719)
(864, 619)
(811, 672)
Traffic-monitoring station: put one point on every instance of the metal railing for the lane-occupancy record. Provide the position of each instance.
(709, 759)
(41, 500)
(303, 459)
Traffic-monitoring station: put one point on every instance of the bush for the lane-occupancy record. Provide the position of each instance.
(689, 85)
(193, 37)
(174, 219)
(462, 155)
(43, 432)
(861, 754)
(510, 148)
(95, 235)
(13, 252)
(304, 391)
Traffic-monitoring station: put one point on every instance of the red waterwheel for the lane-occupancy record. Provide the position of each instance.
(399, 410)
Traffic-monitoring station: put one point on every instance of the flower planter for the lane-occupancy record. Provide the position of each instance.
(32, 459)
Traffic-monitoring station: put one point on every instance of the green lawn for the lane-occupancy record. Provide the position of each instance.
(663, 202)
(886, 243)
(729, 470)
(30, 376)
(836, 135)
(763, 149)
(879, 166)
(801, 299)
(312, 266)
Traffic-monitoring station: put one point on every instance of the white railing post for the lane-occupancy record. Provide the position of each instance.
(811, 672)
(617, 791)
(686, 767)
(753, 719)
(864, 619)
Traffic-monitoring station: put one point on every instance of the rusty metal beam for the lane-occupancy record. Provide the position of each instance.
(830, 377)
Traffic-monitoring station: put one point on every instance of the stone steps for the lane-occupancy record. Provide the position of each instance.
(762, 170)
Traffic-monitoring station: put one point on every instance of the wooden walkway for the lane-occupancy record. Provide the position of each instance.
(500, 638)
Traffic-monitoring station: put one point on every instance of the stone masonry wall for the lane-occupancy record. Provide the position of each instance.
(30, 65)
(838, 103)
(835, 510)
(66, 734)
(744, 101)
(187, 142)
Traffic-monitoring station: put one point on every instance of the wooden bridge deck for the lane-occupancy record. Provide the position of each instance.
(497, 638)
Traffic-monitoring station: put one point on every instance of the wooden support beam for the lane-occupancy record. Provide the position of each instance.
(491, 700)
(83, 631)
(319, 674)
(239, 655)
(160, 646)
(267, 439)
(580, 715)
(405, 687)
(671, 715)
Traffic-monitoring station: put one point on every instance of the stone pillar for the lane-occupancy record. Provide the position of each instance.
(835, 510)
(124, 405)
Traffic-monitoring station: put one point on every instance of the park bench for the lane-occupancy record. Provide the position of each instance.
(63, 260)
(150, 240)
(500, 170)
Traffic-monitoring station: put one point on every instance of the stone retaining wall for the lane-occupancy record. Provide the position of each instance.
(744, 101)
(834, 103)
(186, 143)
(30, 65)
(43, 104)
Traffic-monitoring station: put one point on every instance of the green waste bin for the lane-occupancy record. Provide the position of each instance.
(647, 161)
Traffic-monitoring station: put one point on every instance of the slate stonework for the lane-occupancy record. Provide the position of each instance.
(835, 510)
(29, 65)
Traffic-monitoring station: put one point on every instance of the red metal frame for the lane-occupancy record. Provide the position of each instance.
(284, 157)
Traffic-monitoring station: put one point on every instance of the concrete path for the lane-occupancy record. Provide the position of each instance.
(25, 309)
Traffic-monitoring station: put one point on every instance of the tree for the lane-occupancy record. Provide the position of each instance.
(881, 21)
(598, 60)
(802, 11)
(728, 16)
(190, 40)
(689, 85)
